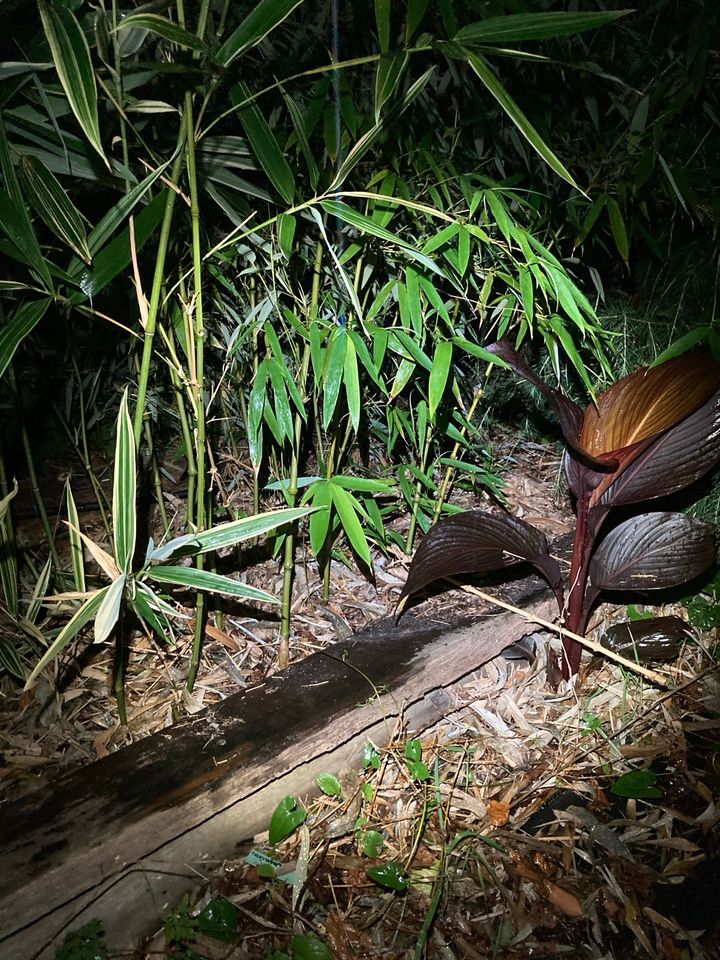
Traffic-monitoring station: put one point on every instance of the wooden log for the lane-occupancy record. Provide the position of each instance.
(123, 838)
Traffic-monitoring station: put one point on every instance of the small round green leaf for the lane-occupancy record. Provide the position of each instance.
(329, 784)
(390, 875)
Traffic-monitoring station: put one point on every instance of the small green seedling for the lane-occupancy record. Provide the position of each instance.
(637, 785)
(85, 943)
(286, 819)
(329, 784)
(390, 875)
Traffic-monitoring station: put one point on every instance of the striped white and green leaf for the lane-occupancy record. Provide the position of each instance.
(124, 508)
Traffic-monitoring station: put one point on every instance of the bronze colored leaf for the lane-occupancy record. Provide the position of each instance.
(648, 402)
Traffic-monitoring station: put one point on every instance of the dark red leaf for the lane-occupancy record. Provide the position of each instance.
(479, 542)
(651, 552)
(672, 461)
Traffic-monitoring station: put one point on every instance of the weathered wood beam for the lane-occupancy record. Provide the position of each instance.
(123, 838)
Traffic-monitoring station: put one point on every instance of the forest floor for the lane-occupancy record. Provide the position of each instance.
(508, 830)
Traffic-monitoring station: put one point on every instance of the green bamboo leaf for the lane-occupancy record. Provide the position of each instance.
(282, 409)
(617, 226)
(116, 255)
(263, 18)
(109, 610)
(232, 533)
(493, 85)
(591, 216)
(286, 233)
(499, 211)
(76, 549)
(82, 616)
(16, 224)
(163, 28)
(341, 210)
(441, 364)
(403, 343)
(303, 139)
(320, 495)
(332, 374)
(146, 603)
(54, 207)
(207, 580)
(390, 68)
(533, 26)
(352, 384)
(124, 507)
(348, 508)
(416, 11)
(568, 344)
(382, 19)
(263, 142)
(9, 659)
(24, 321)
(71, 55)
(364, 484)
(8, 558)
(475, 350)
(526, 293)
(18, 68)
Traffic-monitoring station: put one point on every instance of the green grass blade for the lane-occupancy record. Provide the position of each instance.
(124, 489)
(54, 207)
(263, 18)
(263, 142)
(207, 580)
(493, 85)
(71, 55)
(71, 629)
(14, 332)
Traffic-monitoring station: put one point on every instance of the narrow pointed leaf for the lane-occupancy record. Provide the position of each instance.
(71, 629)
(441, 365)
(479, 542)
(347, 508)
(163, 28)
(672, 461)
(14, 221)
(651, 552)
(124, 507)
(109, 610)
(76, 550)
(533, 26)
(71, 56)
(493, 85)
(263, 18)
(53, 206)
(649, 401)
(263, 142)
(229, 534)
(207, 580)
(15, 330)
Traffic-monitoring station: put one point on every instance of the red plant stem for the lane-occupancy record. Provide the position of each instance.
(575, 615)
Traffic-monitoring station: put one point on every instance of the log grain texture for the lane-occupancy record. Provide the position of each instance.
(123, 838)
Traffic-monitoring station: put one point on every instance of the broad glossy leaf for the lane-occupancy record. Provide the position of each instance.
(263, 18)
(479, 542)
(533, 26)
(23, 322)
(671, 461)
(648, 402)
(207, 580)
(263, 142)
(652, 552)
(51, 202)
(653, 638)
(493, 85)
(163, 28)
(124, 507)
(71, 56)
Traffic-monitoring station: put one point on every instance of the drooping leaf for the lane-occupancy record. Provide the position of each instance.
(263, 18)
(649, 401)
(51, 202)
(263, 142)
(163, 27)
(14, 221)
(651, 552)
(533, 26)
(26, 318)
(671, 461)
(479, 542)
(71, 55)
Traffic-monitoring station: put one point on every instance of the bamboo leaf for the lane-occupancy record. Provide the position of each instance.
(493, 85)
(347, 508)
(617, 226)
(351, 380)
(124, 508)
(71, 55)
(382, 20)
(263, 142)
(83, 616)
(76, 551)
(230, 534)
(109, 610)
(533, 26)
(163, 28)
(320, 495)
(441, 364)
(262, 19)
(54, 207)
(16, 224)
(24, 321)
(332, 374)
(207, 580)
